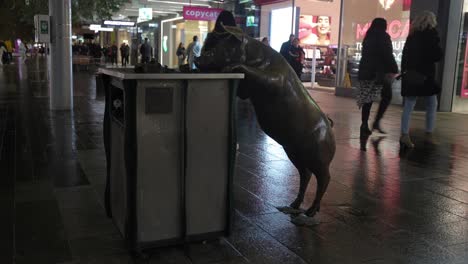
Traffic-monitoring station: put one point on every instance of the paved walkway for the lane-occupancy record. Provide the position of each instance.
(380, 207)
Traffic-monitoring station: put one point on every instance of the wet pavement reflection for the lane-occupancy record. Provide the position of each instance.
(382, 205)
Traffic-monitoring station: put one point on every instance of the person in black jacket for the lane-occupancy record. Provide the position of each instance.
(286, 46)
(296, 57)
(420, 54)
(376, 72)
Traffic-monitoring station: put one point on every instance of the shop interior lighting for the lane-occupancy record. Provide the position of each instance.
(104, 29)
(216, 2)
(119, 23)
(171, 11)
(162, 26)
(97, 28)
(165, 12)
(177, 3)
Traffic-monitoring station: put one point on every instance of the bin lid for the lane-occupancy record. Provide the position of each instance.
(127, 75)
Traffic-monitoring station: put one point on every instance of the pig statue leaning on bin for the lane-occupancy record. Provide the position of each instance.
(285, 110)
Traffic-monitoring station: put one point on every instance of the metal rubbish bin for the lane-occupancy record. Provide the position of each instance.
(170, 146)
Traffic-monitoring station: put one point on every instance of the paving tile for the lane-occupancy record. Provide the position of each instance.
(172, 255)
(212, 252)
(39, 233)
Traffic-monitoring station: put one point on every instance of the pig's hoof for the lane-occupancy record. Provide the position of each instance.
(304, 220)
(289, 210)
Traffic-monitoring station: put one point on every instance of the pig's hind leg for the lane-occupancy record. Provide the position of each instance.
(305, 175)
(322, 173)
(323, 178)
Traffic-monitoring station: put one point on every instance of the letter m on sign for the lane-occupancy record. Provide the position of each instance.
(361, 30)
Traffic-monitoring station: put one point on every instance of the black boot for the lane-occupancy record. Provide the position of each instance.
(365, 131)
(376, 126)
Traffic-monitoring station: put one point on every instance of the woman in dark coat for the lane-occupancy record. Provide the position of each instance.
(420, 54)
(376, 71)
(181, 54)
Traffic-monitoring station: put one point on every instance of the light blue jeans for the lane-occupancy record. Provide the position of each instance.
(431, 109)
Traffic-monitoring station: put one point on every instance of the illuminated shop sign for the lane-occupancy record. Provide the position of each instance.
(145, 14)
(250, 21)
(201, 13)
(398, 31)
(386, 4)
(119, 23)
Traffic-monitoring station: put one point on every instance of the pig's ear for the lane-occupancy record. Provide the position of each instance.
(225, 18)
(236, 32)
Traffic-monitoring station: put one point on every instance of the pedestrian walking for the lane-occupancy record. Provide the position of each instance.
(146, 52)
(3, 53)
(421, 53)
(377, 70)
(124, 53)
(193, 51)
(113, 53)
(286, 46)
(296, 57)
(22, 51)
(181, 55)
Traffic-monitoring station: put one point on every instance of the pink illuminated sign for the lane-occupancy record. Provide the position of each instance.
(397, 29)
(201, 13)
(464, 88)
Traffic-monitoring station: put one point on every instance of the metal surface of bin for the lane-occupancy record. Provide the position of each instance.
(170, 147)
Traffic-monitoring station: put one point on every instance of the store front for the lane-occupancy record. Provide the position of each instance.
(196, 21)
(356, 18)
(315, 23)
(337, 28)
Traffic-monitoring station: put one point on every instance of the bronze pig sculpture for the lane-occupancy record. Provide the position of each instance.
(285, 110)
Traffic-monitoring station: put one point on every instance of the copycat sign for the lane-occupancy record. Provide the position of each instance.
(201, 13)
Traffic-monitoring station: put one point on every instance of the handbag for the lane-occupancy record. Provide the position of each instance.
(414, 78)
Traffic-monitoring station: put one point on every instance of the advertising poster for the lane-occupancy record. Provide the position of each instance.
(314, 30)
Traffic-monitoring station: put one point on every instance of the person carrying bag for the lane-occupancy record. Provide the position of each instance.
(421, 53)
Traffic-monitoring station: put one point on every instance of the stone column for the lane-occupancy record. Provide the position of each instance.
(61, 81)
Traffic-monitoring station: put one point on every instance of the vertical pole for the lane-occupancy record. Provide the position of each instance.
(314, 65)
(451, 71)
(61, 82)
(340, 71)
(293, 18)
(117, 41)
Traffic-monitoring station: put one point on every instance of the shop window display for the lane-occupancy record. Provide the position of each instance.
(356, 21)
(313, 22)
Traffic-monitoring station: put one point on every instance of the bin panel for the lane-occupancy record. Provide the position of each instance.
(118, 183)
(159, 168)
(207, 124)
